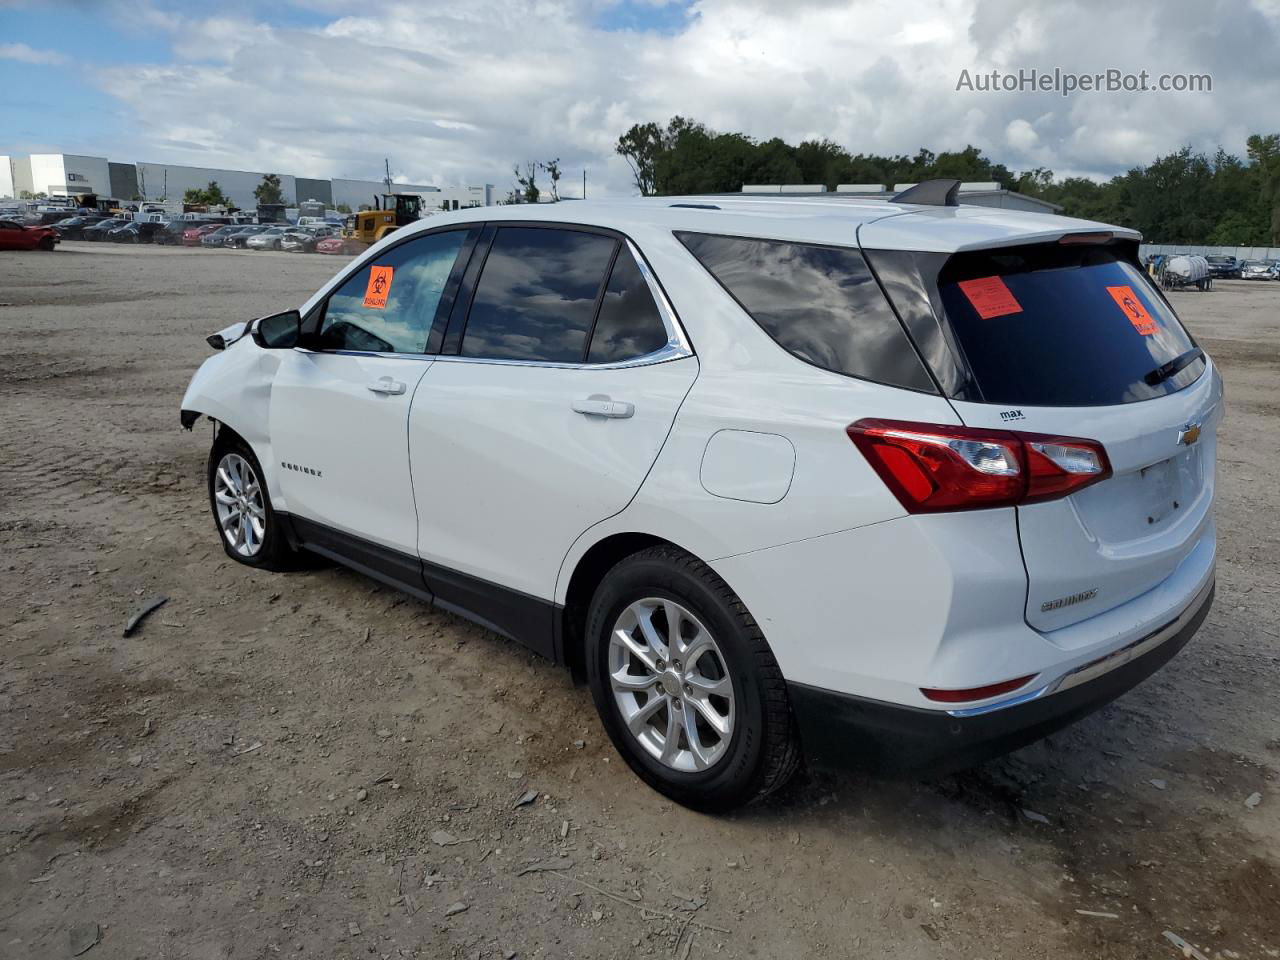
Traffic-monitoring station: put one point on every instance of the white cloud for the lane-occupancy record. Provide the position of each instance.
(25, 54)
(459, 90)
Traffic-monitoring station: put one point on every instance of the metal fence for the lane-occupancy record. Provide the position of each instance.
(1240, 253)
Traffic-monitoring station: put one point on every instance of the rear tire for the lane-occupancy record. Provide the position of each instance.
(246, 524)
(711, 730)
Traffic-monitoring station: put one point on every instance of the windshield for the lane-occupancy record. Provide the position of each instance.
(1062, 325)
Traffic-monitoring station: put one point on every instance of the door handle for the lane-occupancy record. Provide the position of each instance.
(388, 386)
(598, 405)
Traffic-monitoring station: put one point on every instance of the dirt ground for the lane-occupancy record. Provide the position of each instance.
(313, 765)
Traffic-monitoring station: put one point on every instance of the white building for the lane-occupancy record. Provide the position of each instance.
(61, 175)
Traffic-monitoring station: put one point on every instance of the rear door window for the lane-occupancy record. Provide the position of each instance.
(1063, 325)
(389, 304)
(629, 324)
(819, 303)
(537, 295)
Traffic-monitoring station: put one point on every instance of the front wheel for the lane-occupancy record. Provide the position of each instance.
(247, 526)
(685, 683)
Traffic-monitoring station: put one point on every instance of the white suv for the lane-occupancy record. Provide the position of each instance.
(897, 484)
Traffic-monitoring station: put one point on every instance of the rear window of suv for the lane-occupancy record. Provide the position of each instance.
(1063, 325)
(819, 303)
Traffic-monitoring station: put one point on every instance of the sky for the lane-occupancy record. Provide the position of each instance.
(458, 91)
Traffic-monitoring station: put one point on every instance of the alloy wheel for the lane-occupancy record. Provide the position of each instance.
(671, 684)
(241, 505)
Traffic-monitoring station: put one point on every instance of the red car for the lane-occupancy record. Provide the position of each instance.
(332, 245)
(14, 236)
(192, 235)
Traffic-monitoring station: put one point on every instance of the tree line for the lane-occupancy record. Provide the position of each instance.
(1183, 197)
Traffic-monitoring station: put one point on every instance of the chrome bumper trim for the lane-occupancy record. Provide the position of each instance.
(1101, 665)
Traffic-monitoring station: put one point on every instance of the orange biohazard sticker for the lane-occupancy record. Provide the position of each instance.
(1128, 301)
(379, 288)
(990, 297)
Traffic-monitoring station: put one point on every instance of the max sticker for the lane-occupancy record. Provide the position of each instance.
(375, 295)
(990, 297)
(1128, 301)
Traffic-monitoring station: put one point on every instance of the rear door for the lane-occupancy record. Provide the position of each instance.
(553, 394)
(1073, 340)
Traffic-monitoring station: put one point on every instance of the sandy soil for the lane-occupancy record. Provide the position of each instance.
(313, 765)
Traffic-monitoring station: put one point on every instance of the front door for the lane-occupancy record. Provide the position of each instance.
(340, 410)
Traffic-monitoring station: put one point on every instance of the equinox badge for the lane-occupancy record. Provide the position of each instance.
(1189, 434)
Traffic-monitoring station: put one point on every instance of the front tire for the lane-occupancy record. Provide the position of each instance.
(242, 514)
(685, 683)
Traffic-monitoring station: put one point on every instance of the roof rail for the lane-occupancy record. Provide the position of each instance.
(935, 193)
(695, 206)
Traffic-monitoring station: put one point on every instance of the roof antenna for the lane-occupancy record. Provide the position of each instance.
(934, 193)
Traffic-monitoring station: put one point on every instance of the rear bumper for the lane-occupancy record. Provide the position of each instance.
(840, 730)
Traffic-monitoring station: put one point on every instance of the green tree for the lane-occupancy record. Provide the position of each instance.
(552, 170)
(268, 191)
(526, 188)
(209, 196)
(343, 208)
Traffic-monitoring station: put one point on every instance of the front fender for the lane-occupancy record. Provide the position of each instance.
(233, 387)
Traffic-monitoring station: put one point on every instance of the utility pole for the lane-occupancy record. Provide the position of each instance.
(386, 164)
(584, 184)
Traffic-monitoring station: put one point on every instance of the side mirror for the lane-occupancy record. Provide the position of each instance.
(281, 331)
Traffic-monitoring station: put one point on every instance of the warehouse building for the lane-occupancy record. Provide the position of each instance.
(69, 175)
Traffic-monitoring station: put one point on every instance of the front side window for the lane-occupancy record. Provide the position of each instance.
(536, 297)
(389, 304)
(821, 304)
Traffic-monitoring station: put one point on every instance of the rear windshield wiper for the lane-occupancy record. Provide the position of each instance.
(1166, 370)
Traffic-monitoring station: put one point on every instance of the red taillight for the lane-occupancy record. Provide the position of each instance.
(932, 467)
(972, 694)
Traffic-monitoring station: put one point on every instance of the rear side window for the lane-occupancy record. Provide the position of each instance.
(820, 303)
(537, 294)
(629, 324)
(388, 305)
(1063, 325)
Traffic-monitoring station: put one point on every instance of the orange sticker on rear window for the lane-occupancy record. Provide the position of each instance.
(990, 297)
(375, 294)
(1128, 301)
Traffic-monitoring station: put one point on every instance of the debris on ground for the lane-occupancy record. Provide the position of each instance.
(545, 866)
(1099, 913)
(155, 603)
(1034, 817)
(455, 908)
(84, 937)
(443, 838)
(1253, 800)
(1159, 784)
(1188, 951)
(526, 798)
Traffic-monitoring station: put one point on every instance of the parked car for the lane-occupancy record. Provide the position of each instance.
(333, 244)
(242, 236)
(1275, 268)
(193, 234)
(268, 239)
(1224, 267)
(1257, 270)
(304, 240)
(215, 238)
(715, 474)
(100, 230)
(136, 232)
(73, 228)
(17, 236)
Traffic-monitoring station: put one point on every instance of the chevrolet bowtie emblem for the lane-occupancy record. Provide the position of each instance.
(1189, 434)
